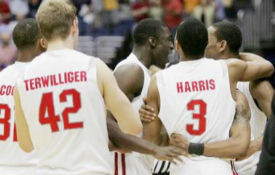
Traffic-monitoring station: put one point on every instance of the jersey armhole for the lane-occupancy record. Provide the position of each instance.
(163, 118)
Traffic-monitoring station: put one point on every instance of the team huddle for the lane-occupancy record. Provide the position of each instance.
(66, 113)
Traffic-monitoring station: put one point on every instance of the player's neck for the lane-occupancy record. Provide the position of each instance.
(59, 44)
(143, 55)
(26, 55)
(229, 55)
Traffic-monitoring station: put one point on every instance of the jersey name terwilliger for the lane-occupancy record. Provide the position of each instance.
(195, 86)
(55, 80)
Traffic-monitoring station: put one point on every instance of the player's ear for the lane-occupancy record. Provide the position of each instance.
(177, 45)
(152, 41)
(222, 45)
(75, 26)
(43, 43)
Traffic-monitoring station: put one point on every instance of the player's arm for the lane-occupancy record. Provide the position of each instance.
(128, 143)
(152, 130)
(22, 129)
(116, 102)
(234, 147)
(254, 146)
(262, 92)
(250, 67)
(130, 80)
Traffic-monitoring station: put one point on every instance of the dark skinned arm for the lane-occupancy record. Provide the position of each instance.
(262, 92)
(129, 143)
(152, 130)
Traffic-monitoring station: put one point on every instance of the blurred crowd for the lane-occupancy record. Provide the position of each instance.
(98, 14)
(116, 17)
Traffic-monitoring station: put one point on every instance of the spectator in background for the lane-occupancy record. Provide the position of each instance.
(19, 10)
(155, 10)
(173, 12)
(85, 15)
(205, 12)
(190, 5)
(220, 14)
(140, 10)
(7, 50)
(5, 12)
(19, 7)
(109, 15)
(33, 7)
(230, 11)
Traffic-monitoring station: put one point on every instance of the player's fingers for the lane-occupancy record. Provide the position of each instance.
(173, 161)
(149, 108)
(179, 152)
(147, 117)
(146, 120)
(178, 159)
(144, 100)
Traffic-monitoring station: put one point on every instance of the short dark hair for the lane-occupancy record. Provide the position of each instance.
(192, 37)
(231, 33)
(26, 33)
(145, 29)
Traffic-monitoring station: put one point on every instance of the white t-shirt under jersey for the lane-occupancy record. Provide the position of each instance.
(66, 114)
(135, 163)
(196, 101)
(13, 160)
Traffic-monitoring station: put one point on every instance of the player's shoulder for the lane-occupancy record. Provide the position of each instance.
(9, 74)
(129, 70)
(10, 70)
(234, 63)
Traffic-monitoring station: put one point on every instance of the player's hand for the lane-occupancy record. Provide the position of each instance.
(171, 153)
(146, 112)
(179, 141)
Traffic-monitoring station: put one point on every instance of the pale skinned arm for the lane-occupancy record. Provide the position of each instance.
(22, 129)
(116, 102)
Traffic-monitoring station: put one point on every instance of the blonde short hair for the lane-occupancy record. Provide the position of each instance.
(55, 18)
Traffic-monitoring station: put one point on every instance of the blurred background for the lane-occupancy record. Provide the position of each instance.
(106, 25)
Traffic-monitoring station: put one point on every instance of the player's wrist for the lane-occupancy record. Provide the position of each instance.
(196, 148)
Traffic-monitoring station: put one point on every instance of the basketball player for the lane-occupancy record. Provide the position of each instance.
(224, 42)
(152, 45)
(14, 161)
(60, 101)
(184, 93)
(266, 165)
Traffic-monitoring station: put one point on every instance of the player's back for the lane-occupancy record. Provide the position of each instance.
(196, 101)
(66, 114)
(13, 160)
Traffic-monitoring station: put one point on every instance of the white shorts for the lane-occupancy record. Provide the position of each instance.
(248, 166)
(131, 164)
(207, 166)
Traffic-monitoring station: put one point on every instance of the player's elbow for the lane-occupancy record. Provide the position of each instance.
(269, 68)
(26, 147)
(137, 129)
(241, 149)
(133, 129)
